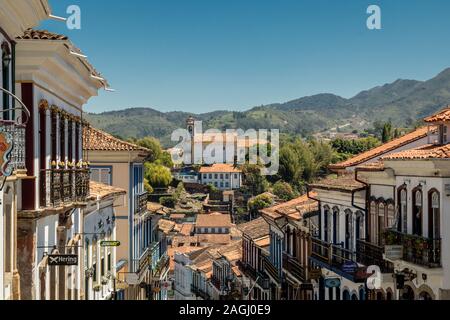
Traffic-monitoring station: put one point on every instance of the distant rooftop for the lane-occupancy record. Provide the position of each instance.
(97, 140)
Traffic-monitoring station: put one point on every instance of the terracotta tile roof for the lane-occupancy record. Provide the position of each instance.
(344, 182)
(31, 34)
(372, 166)
(255, 229)
(177, 216)
(155, 207)
(214, 238)
(220, 168)
(422, 153)
(263, 242)
(97, 140)
(171, 253)
(166, 226)
(186, 229)
(100, 191)
(293, 209)
(383, 149)
(215, 219)
(441, 116)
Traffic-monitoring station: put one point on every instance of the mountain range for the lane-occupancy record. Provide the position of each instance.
(402, 102)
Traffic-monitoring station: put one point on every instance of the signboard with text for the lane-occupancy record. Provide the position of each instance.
(62, 260)
(110, 243)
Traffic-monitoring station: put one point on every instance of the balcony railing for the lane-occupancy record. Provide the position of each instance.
(61, 187)
(15, 134)
(336, 258)
(293, 266)
(141, 203)
(161, 265)
(270, 269)
(261, 279)
(216, 283)
(141, 265)
(199, 292)
(416, 249)
(370, 254)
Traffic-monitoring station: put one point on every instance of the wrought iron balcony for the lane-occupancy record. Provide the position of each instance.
(13, 145)
(270, 269)
(293, 266)
(141, 203)
(416, 249)
(370, 254)
(261, 279)
(335, 258)
(141, 265)
(13, 121)
(199, 292)
(63, 187)
(216, 283)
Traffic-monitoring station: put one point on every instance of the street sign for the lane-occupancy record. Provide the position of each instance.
(62, 260)
(349, 267)
(110, 243)
(332, 282)
(132, 279)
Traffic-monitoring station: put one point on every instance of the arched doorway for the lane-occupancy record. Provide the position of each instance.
(380, 296)
(407, 294)
(425, 296)
(354, 297)
(388, 295)
(346, 295)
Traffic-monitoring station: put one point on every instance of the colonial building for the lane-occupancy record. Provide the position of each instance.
(287, 264)
(255, 248)
(383, 214)
(221, 176)
(226, 277)
(99, 255)
(15, 18)
(121, 164)
(417, 239)
(54, 83)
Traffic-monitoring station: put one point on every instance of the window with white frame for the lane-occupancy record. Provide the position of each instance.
(102, 175)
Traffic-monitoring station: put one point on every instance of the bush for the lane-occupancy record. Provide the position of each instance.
(168, 202)
(283, 191)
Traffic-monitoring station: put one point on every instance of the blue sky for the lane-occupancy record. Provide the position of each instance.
(204, 55)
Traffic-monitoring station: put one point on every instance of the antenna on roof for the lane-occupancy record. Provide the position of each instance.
(51, 16)
(78, 54)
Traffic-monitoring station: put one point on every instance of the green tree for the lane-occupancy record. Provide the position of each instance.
(153, 145)
(290, 169)
(165, 159)
(147, 186)
(283, 190)
(259, 202)
(253, 180)
(386, 136)
(158, 176)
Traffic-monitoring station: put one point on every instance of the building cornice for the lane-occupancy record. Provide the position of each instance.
(17, 16)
